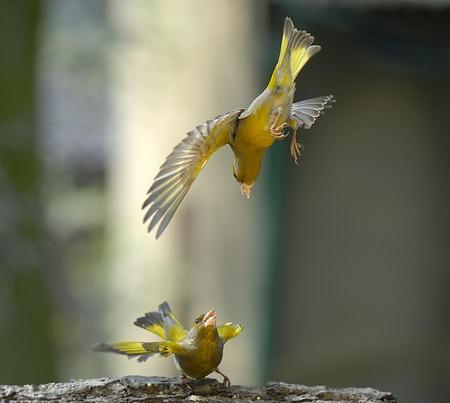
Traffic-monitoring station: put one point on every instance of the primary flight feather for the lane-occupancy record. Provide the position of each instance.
(250, 132)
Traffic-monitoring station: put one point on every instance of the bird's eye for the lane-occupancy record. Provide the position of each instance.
(234, 174)
(197, 321)
(278, 89)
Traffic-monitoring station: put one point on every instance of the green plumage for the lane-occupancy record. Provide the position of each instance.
(197, 352)
(249, 132)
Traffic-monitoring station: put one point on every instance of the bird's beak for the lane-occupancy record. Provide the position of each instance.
(246, 189)
(210, 318)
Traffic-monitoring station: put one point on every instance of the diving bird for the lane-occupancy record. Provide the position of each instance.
(197, 352)
(250, 132)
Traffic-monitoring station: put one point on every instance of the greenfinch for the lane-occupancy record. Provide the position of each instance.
(250, 132)
(197, 352)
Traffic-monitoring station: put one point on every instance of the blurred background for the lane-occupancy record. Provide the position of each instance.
(338, 268)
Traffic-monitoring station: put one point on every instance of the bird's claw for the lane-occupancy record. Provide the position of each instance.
(296, 150)
(226, 381)
(277, 132)
(184, 381)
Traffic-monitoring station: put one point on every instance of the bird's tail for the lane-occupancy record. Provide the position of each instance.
(137, 349)
(296, 48)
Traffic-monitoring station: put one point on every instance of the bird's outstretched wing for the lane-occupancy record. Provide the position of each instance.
(173, 329)
(306, 112)
(183, 165)
(152, 322)
(163, 323)
(229, 330)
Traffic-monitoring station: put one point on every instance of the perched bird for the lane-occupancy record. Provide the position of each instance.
(197, 352)
(250, 132)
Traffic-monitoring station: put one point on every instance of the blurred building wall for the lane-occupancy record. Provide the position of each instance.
(363, 264)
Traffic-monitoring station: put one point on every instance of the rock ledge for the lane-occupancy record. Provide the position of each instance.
(160, 389)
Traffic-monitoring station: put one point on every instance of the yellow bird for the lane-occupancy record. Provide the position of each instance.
(250, 132)
(197, 352)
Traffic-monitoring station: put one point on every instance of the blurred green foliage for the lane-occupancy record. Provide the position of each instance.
(26, 348)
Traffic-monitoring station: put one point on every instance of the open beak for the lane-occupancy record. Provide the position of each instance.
(246, 189)
(210, 318)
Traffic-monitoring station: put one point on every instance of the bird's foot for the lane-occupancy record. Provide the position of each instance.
(296, 148)
(184, 381)
(278, 132)
(226, 381)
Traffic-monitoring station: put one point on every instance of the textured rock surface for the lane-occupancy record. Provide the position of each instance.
(158, 389)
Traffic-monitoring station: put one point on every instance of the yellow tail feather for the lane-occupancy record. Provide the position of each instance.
(132, 349)
(142, 349)
(296, 48)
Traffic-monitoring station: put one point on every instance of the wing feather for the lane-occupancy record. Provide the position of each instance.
(163, 323)
(153, 322)
(229, 330)
(182, 167)
(173, 329)
(306, 112)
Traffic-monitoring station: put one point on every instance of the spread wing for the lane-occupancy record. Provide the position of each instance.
(153, 322)
(163, 323)
(173, 329)
(229, 330)
(306, 112)
(182, 166)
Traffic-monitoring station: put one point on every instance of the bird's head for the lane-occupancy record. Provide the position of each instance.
(245, 185)
(204, 325)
